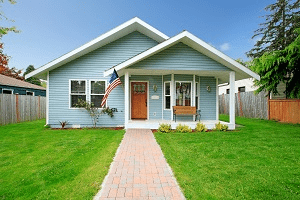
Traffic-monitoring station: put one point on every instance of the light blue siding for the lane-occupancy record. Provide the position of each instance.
(179, 57)
(91, 67)
(155, 105)
(208, 99)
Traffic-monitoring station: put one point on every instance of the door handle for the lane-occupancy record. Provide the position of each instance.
(146, 103)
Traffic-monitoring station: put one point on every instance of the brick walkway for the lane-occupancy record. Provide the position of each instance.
(139, 171)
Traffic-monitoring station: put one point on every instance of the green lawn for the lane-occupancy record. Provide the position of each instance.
(40, 163)
(258, 161)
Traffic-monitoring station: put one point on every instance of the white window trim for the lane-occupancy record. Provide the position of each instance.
(86, 84)
(33, 94)
(192, 89)
(197, 93)
(167, 95)
(90, 90)
(12, 91)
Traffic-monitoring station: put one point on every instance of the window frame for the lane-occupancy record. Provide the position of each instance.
(90, 90)
(197, 93)
(192, 90)
(239, 89)
(12, 91)
(31, 92)
(165, 95)
(86, 94)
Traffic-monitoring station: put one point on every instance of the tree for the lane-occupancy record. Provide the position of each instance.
(278, 30)
(4, 69)
(32, 80)
(280, 66)
(5, 30)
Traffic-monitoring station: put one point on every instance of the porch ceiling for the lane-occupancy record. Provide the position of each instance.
(222, 75)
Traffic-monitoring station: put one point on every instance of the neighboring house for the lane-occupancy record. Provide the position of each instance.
(157, 73)
(9, 85)
(244, 85)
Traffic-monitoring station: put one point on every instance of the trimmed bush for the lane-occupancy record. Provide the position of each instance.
(164, 128)
(221, 127)
(183, 128)
(200, 127)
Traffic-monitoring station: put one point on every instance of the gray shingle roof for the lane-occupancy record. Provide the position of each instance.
(5, 80)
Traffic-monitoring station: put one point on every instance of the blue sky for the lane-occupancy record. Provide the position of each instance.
(51, 28)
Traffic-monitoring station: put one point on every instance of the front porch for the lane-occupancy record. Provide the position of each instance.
(154, 124)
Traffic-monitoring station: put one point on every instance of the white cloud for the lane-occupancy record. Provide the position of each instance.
(225, 46)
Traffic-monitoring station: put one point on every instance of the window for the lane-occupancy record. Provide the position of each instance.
(7, 91)
(242, 89)
(183, 93)
(97, 92)
(29, 93)
(167, 93)
(227, 91)
(197, 95)
(78, 91)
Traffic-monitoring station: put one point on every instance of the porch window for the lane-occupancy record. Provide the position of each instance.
(167, 93)
(183, 93)
(97, 92)
(78, 91)
(197, 95)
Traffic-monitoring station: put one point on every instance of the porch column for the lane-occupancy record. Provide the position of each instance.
(194, 93)
(232, 98)
(126, 99)
(173, 94)
(217, 98)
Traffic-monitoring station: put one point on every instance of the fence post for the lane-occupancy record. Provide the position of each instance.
(240, 105)
(17, 108)
(268, 105)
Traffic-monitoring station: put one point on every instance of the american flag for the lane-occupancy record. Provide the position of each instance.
(113, 82)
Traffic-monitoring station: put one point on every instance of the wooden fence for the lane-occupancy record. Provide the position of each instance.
(285, 110)
(247, 104)
(19, 108)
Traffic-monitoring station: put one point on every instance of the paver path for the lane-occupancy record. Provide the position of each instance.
(139, 171)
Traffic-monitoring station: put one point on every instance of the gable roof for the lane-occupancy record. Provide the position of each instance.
(6, 80)
(132, 25)
(195, 43)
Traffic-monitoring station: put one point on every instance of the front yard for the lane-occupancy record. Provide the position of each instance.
(258, 161)
(40, 163)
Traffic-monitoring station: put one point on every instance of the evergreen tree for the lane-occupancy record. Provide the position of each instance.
(32, 80)
(279, 29)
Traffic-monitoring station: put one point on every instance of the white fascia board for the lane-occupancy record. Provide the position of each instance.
(116, 33)
(146, 54)
(203, 47)
(222, 56)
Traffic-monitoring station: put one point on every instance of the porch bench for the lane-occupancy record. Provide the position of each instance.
(186, 110)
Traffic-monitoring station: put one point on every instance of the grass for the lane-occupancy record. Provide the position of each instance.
(40, 163)
(258, 161)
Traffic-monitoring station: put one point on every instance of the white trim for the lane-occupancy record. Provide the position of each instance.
(164, 95)
(86, 91)
(127, 101)
(195, 43)
(148, 103)
(217, 99)
(12, 90)
(199, 101)
(134, 24)
(47, 99)
(173, 99)
(194, 94)
(232, 98)
(30, 91)
(90, 90)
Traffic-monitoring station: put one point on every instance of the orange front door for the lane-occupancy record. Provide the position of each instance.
(139, 100)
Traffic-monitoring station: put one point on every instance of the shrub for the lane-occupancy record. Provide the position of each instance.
(221, 127)
(183, 128)
(164, 128)
(200, 127)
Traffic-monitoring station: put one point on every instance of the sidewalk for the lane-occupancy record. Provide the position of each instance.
(139, 171)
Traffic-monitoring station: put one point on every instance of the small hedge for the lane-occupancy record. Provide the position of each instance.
(183, 128)
(164, 128)
(221, 127)
(200, 127)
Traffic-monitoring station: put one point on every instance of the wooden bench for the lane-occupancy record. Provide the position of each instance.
(186, 110)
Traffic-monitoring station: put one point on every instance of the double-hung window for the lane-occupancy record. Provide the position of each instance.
(97, 92)
(197, 95)
(167, 93)
(77, 91)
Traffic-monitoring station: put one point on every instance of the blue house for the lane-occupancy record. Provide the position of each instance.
(9, 85)
(157, 73)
